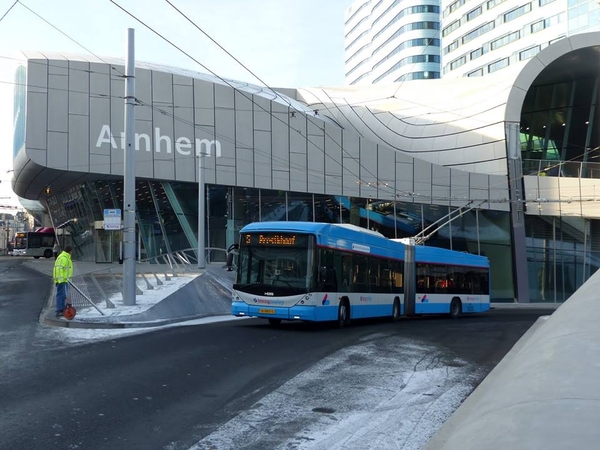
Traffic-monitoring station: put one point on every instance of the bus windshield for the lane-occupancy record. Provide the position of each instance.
(279, 265)
(21, 240)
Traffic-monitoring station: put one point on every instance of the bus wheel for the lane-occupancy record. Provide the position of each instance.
(344, 314)
(47, 254)
(455, 308)
(275, 322)
(396, 310)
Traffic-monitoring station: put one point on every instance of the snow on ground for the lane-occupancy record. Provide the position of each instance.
(80, 336)
(145, 301)
(385, 393)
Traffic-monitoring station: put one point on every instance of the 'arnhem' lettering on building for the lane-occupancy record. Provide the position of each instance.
(183, 145)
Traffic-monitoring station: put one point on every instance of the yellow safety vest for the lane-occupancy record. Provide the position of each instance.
(63, 268)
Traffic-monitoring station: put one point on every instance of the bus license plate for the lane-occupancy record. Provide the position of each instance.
(266, 311)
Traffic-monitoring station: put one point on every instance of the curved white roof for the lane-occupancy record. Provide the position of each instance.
(457, 122)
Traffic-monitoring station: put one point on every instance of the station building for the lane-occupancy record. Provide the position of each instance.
(515, 151)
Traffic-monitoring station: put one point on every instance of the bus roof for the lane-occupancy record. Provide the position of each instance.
(436, 255)
(360, 240)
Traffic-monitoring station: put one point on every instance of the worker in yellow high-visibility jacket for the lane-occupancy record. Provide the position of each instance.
(62, 274)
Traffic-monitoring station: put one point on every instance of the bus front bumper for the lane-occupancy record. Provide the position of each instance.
(308, 313)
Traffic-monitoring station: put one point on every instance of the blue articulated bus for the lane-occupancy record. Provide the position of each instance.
(337, 272)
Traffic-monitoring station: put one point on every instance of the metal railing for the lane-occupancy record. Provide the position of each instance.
(97, 287)
(568, 169)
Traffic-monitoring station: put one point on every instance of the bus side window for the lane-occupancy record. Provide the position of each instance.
(398, 282)
(346, 273)
(361, 266)
(374, 275)
(328, 279)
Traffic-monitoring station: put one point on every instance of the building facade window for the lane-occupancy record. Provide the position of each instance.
(504, 40)
(538, 26)
(364, 19)
(458, 62)
(363, 6)
(360, 64)
(497, 65)
(357, 52)
(409, 60)
(420, 42)
(477, 32)
(450, 28)
(362, 77)
(493, 3)
(427, 75)
(453, 46)
(356, 39)
(517, 12)
(474, 13)
(529, 53)
(408, 27)
(419, 9)
(476, 73)
(454, 6)
(476, 53)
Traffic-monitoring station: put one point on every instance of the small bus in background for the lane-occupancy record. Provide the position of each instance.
(337, 272)
(34, 243)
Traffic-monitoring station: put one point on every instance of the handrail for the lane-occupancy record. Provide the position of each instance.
(89, 300)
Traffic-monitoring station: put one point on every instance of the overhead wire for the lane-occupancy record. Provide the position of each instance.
(237, 90)
(214, 41)
(63, 33)
(394, 191)
(277, 95)
(225, 50)
(187, 18)
(8, 10)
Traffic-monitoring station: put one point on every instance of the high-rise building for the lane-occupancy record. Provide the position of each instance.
(482, 37)
(395, 40)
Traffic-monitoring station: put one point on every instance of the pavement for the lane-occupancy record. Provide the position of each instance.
(165, 294)
(544, 393)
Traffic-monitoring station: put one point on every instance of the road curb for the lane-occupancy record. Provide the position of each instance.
(63, 323)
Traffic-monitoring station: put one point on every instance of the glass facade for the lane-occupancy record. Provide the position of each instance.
(562, 253)
(583, 16)
(167, 218)
(560, 137)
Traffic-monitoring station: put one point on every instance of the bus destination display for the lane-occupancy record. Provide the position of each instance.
(275, 240)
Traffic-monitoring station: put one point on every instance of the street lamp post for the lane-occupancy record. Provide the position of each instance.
(201, 200)
(129, 268)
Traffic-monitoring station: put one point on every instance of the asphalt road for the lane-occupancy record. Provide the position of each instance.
(22, 295)
(170, 388)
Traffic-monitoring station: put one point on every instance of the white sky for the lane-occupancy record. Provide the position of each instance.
(287, 43)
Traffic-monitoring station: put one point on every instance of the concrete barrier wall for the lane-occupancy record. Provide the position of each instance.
(545, 394)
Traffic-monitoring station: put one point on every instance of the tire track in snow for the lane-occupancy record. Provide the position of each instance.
(384, 393)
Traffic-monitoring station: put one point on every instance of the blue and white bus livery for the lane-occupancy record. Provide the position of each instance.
(336, 272)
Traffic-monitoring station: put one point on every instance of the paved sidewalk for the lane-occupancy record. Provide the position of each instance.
(536, 305)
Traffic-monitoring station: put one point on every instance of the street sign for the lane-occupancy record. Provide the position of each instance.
(112, 219)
